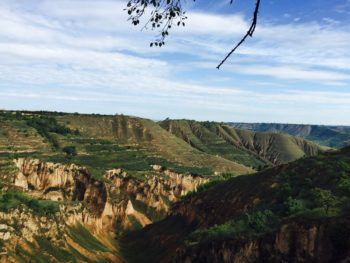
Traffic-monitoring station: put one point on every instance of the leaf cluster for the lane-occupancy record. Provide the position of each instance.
(164, 15)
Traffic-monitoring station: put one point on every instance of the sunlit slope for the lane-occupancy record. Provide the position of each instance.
(149, 135)
(278, 148)
(17, 136)
(330, 136)
(247, 147)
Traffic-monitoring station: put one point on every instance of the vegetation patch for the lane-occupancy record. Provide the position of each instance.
(84, 238)
(249, 225)
(45, 246)
(136, 225)
(150, 212)
(12, 199)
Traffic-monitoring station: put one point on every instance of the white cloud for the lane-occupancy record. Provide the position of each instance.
(86, 51)
(293, 73)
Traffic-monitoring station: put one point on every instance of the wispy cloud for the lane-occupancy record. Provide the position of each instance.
(85, 51)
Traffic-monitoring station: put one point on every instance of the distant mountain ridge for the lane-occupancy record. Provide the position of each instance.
(331, 136)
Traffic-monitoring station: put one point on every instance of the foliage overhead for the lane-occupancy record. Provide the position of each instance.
(166, 14)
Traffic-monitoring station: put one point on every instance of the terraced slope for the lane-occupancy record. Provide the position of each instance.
(296, 212)
(150, 136)
(104, 141)
(249, 148)
(17, 136)
(331, 136)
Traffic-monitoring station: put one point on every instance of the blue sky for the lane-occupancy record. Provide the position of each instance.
(83, 56)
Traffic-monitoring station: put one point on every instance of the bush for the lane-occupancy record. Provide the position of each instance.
(46, 125)
(293, 206)
(70, 151)
(344, 186)
(252, 224)
(227, 176)
(201, 188)
(260, 221)
(13, 199)
(324, 198)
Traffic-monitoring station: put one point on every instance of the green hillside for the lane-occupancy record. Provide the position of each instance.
(262, 216)
(150, 136)
(330, 136)
(104, 142)
(254, 149)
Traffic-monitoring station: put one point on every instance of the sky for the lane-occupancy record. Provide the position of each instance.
(84, 56)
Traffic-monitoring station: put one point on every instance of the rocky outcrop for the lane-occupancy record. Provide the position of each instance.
(326, 241)
(110, 202)
(60, 182)
(156, 191)
(24, 235)
(68, 181)
(105, 207)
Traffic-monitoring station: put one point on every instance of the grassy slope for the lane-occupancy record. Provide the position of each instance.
(230, 200)
(91, 249)
(330, 136)
(281, 147)
(17, 136)
(208, 139)
(150, 136)
(106, 142)
(247, 147)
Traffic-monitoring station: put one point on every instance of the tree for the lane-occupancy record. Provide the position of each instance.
(260, 221)
(324, 198)
(70, 151)
(293, 206)
(166, 14)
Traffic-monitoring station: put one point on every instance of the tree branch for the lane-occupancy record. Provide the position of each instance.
(249, 33)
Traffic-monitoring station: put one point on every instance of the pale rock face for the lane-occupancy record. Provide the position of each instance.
(28, 224)
(21, 181)
(5, 227)
(43, 176)
(157, 168)
(104, 206)
(54, 196)
(5, 235)
(154, 190)
(139, 216)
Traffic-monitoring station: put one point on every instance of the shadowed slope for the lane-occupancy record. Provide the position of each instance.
(219, 221)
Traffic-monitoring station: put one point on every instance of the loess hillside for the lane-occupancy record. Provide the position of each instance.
(330, 136)
(250, 148)
(115, 188)
(297, 212)
(150, 136)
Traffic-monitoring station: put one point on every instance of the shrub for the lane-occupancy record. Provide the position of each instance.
(252, 224)
(70, 151)
(260, 221)
(201, 188)
(13, 199)
(344, 186)
(227, 176)
(46, 125)
(324, 198)
(293, 206)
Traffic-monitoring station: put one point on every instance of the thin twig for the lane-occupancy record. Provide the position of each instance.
(249, 33)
